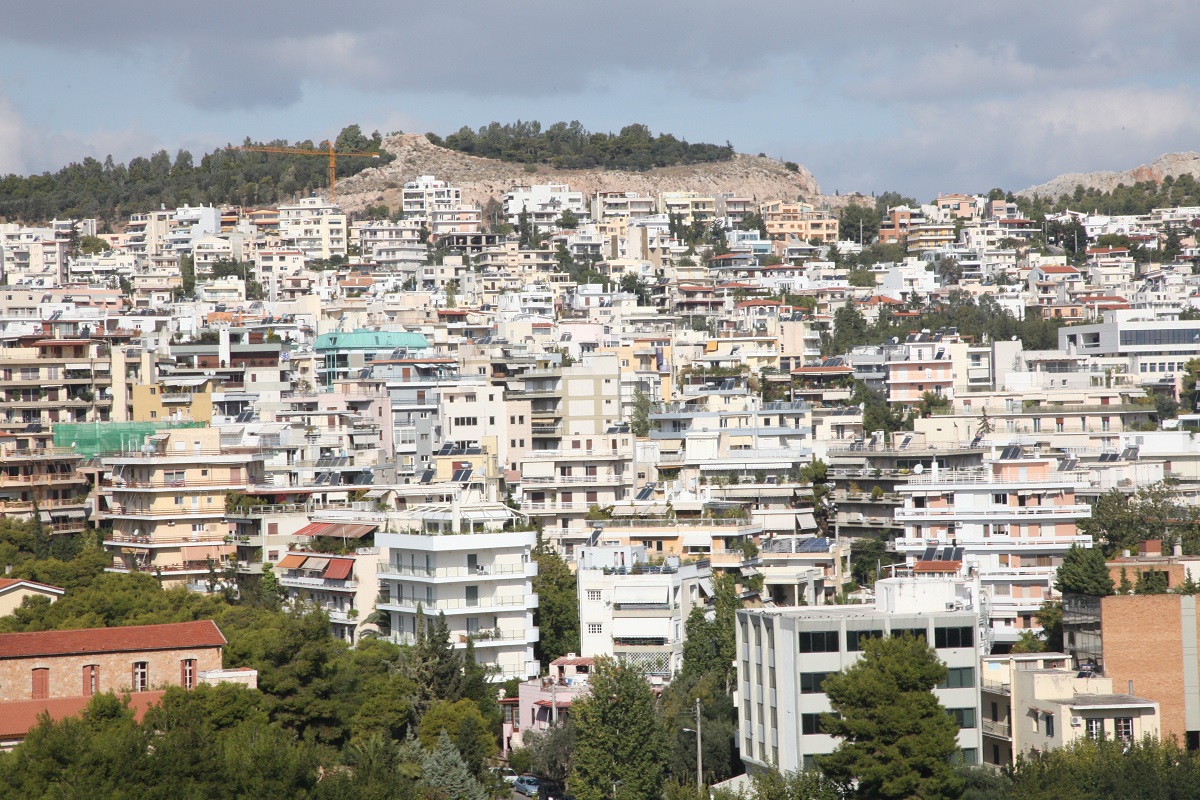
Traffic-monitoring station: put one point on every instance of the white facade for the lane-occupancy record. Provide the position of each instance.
(482, 582)
(316, 227)
(635, 611)
(544, 203)
(783, 656)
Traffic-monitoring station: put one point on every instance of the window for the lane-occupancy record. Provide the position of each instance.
(1095, 728)
(953, 637)
(959, 678)
(187, 673)
(914, 632)
(1123, 728)
(818, 641)
(595, 627)
(964, 717)
(854, 639)
(141, 676)
(91, 680)
(41, 683)
(1050, 726)
(810, 724)
(593, 595)
(810, 682)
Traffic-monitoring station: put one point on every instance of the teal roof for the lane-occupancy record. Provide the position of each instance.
(370, 340)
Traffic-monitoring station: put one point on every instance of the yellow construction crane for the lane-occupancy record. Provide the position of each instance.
(300, 151)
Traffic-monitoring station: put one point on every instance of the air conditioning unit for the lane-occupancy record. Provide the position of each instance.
(1076, 722)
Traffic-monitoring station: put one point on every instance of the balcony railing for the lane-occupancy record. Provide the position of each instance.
(999, 729)
(452, 572)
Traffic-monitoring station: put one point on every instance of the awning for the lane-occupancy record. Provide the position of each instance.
(314, 529)
(314, 563)
(696, 538)
(805, 521)
(546, 703)
(639, 509)
(291, 562)
(339, 569)
(706, 586)
(642, 594)
(185, 381)
(349, 530)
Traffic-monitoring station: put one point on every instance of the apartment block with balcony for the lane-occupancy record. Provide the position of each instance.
(43, 482)
(633, 610)
(343, 586)
(58, 380)
(790, 220)
(783, 656)
(314, 226)
(1010, 522)
(167, 506)
(482, 581)
(1035, 702)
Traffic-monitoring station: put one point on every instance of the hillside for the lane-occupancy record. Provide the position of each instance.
(483, 178)
(1171, 165)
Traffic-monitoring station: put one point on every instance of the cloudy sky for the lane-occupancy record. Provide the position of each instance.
(918, 97)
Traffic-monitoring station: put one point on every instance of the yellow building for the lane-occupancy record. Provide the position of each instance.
(187, 399)
(786, 220)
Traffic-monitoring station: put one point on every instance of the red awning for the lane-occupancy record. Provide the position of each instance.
(291, 562)
(339, 569)
(546, 703)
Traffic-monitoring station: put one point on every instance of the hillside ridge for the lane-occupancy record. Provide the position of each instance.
(757, 177)
(1167, 165)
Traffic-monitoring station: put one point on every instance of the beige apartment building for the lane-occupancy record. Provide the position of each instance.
(167, 503)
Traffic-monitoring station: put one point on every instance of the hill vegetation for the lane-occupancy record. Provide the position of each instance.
(1136, 198)
(566, 145)
(109, 191)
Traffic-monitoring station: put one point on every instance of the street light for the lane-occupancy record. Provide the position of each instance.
(699, 751)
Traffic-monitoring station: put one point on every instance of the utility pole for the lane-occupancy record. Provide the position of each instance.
(699, 753)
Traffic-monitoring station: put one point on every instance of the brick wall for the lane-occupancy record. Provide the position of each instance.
(1143, 643)
(115, 671)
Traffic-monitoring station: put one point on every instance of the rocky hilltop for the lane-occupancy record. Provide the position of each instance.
(480, 178)
(1169, 165)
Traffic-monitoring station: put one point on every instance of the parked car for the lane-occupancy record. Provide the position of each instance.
(527, 785)
(507, 774)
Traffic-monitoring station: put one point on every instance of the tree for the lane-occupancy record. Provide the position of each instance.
(444, 771)
(802, 785)
(1153, 581)
(568, 221)
(949, 271)
(557, 614)
(1083, 571)
(640, 418)
(620, 742)
(862, 278)
(896, 738)
(859, 223)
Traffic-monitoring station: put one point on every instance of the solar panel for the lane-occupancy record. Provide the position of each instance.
(427, 476)
(322, 479)
(818, 544)
(1129, 454)
(646, 493)
(364, 479)
(958, 554)
(928, 554)
(905, 442)
(461, 475)
(947, 554)
(342, 461)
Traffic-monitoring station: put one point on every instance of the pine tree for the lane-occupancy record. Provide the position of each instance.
(897, 739)
(1084, 571)
(444, 771)
(620, 742)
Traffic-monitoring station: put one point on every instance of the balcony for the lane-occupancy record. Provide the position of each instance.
(990, 513)
(499, 571)
(305, 582)
(600, 478)
(1000, 730)
(498, 603)
(996, 687)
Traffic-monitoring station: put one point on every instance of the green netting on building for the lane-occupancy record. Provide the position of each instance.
(95, 438)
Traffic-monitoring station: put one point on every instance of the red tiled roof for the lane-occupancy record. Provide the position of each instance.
(314, 529)
(172, 636)
(937, 566)
(576, 661)
(17, 719)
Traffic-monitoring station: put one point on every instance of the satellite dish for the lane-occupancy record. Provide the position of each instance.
(919, 468)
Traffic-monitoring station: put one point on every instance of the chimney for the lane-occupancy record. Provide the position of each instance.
(1177, 550)
(1151, 547)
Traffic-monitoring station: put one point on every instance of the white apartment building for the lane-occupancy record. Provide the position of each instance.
(188, 224)
(1009, 522)
(314, 226)
(633, 610)
(544, 203)
(627, 205)
(784, 655)
(482, 581)
(426, 193)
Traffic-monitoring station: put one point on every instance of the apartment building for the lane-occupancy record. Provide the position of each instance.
(786, 220)
(343, 586)
(43, 483)
(48, 380)
(481, 581)
(167, 504)
(1008, 522)
(688, 207)
(634, 610)
(317, 228)
(420, 196)
(542, 204)
(345, 354)
(783, 656)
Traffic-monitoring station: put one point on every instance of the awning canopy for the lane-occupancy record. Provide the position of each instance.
(314, 529)
(197, 552)
(291, 562)
(185, 381)
(339, 569)
(315, 564)
(642, 594)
